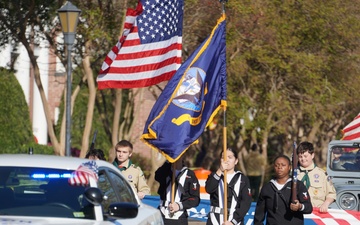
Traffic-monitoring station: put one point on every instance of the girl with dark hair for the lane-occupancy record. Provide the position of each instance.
(239, 194)
(95, 154)
(274, 201)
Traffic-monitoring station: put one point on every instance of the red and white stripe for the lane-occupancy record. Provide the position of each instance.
(352, 130)
(79, 179)
(131, 64)
(81, 176)
(334, 217)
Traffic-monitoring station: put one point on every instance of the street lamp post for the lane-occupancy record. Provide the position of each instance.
(69, 16)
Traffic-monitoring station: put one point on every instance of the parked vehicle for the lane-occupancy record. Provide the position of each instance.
(343, 166)
(44, 189)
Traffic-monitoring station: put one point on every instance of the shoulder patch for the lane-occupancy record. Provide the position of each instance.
(305, 196)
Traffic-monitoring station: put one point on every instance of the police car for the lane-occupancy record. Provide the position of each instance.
(46, 189)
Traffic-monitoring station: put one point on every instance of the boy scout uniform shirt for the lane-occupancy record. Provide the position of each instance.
(136, 178)
(320, 185)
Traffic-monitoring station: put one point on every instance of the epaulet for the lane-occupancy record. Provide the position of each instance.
(322, 170)
(133, 165)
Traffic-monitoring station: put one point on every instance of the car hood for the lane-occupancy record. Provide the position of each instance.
(16, 220)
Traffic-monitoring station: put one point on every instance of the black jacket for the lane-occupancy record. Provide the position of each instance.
(275, 205)
(243, 199)
(191, 193)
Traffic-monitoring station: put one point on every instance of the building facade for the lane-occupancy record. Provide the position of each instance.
(53, 78)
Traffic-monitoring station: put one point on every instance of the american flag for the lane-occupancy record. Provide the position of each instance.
(352, 130)
(332, 217)
(81, 176)
(149, 50)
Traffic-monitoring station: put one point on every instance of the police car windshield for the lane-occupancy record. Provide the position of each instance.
(41, 192)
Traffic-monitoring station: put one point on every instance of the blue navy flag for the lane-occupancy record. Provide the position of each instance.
(191, 99)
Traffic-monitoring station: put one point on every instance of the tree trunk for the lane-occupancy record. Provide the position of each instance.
(116, 122)
(91, 103)
(59, 150)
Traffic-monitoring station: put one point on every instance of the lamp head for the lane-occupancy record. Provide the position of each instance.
(69, 17)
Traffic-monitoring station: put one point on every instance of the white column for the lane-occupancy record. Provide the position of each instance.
(22, 67)
(39, 121)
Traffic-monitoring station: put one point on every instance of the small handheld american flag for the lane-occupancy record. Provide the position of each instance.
(81, 176)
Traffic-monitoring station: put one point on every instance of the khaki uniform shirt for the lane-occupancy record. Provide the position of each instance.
(320, 187)
(136, 178)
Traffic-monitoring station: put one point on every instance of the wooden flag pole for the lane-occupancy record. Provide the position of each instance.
(173, 183)
(225, 171)
(225, 143)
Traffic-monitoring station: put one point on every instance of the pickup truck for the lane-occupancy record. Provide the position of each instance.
(343, 167)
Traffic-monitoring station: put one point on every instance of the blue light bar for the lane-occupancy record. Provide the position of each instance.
(66, 175)
(38, 176)
(50, 175)
(53, 175)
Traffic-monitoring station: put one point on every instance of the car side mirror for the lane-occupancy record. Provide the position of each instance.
(94, 196)
(123, 210)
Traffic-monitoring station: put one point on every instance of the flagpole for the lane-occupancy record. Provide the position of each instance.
(225, 143)
(225, 171)
(173, 183)
(223, 5)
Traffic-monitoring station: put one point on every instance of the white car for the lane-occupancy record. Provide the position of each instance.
(46, 189)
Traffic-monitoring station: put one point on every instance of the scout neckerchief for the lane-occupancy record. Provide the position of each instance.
(122, 168)
(306, 179)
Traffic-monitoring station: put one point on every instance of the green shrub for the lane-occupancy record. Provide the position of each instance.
(15, 129)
